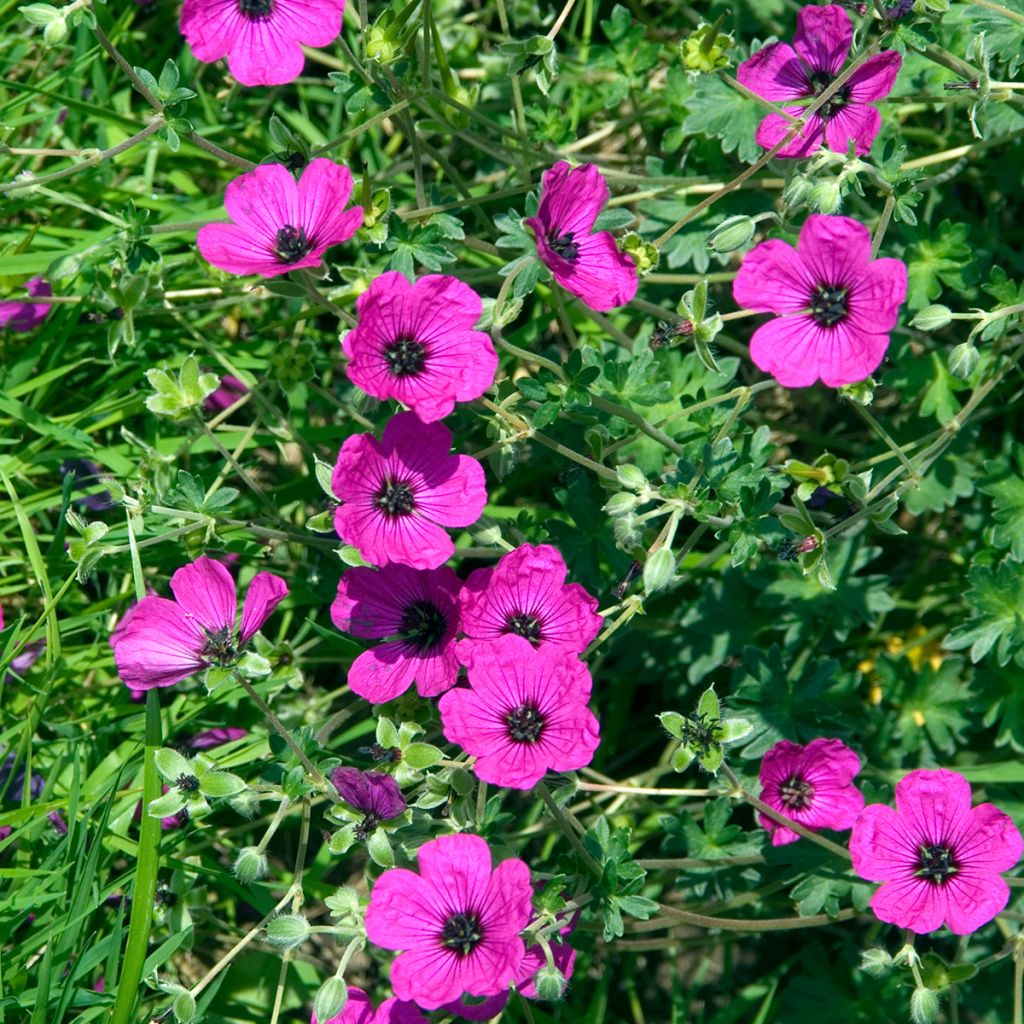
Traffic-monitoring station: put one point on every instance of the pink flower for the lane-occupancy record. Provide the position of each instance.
(938, 859)
(457, 921)
(812, 785)
(262, 39)
(837, 304)
(216, 737)
(525, 712)
(584, 262)
(526, 593)
(359, 1010)
(161, 642)
(400, 493)
(416, 343)
(781, 73)
(280, 225)
(21, 315)
(230, 391)
(418, 611)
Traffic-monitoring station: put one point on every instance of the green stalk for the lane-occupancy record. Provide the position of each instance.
(145, 874)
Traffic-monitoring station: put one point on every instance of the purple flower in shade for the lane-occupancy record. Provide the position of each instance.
(376, 794)
(525, 712)
(359, 1010)
(836, 304)
(400, 493)
(416, 343)
(262, 39)
(86, 473)
(938, 858)
(230, 391)
(215, 738)
(525, 593)
(22, 315)
(812, 785)
(29, 655)
(418, 611)
(782, 73)
(457, 921)
(161, 642)
(585, 262)
(279, 225)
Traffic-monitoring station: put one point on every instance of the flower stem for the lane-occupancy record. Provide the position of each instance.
(566, 826)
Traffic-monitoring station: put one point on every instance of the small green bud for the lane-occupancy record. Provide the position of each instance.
(963, 360)
(381, 40)
(659, 570)
(620, 504)
(461, 781)
(924, 1006)
(55, 32)
(631, 476)
(876, 961)
(289, 931)
(932, 318)
(645, 255)
(825, 196)
(863, 392)
(251, 865)
(705, 50)
(797, 191)
(732, 234)
(550, 983)
(184, 1007)
(330, 999)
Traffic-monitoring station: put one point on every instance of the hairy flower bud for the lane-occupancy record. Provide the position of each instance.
(932, 318)
(550, 983)
(330, 999)
(55, 32)
(963, 360)
(732, 234)
(924, 1006)
(250, 865)
(288, 931)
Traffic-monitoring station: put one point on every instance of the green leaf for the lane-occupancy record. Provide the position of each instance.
(378, 846)
(1006, 488)
(218, 784)
(996, 625)
(170, 803)
(938, 258)
(171, 765)
(421, 755)
(708, 707)
(718, 112)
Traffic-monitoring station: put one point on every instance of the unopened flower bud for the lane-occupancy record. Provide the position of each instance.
(963, 360)
(550, 983)
(797, 190)
(732, 234)
(706, 49)
(645, 255)
(381, 42)
(825, 197)
(55, 32)
(932, 318)
(330, 999)
(251, 865)
(288, 931)
(924, 1006)
(876, 961)
(620, 504)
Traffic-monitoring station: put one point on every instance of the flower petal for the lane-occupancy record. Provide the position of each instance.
(774, 278)
(855, 122)
(265, 593)
(774, 128)
(206, 592)
(157, 645)
(775, 73)
(823, 37)
(323, 190)
(875, 78)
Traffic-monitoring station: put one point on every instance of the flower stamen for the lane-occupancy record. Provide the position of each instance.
(423, 625)
(936, 863)
(525, 724)
(462, 933)
(405, 357)
(291, 243)
(829, 305)
(563, 245)
(395, 499)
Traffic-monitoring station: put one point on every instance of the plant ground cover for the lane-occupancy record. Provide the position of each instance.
(764, 555)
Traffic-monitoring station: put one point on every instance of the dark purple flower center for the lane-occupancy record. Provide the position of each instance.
(524, 624)
(291, 244)
(563, 245)
(423, 625)
(219, 648)
(395, 499)
(525, 724)
(820, 81)
(829, 305)
(935, 863)
(462, 933)
(256, 10)
(405, 357)
(796, 794)
(366, 827)
(187, 783)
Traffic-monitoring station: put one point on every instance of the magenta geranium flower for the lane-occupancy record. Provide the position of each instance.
(216, 737)
(585, 262)
(525, 712)
(457, 921)
(416, 343)
(230, 391)
(22, 315)
(525, 593)
(359, 1010)
(836, 304)
(279, 225)
(938, 858)
(418, 611)
(161, 642)
(812, 785)
(401, 492)
(262, 39)
(782, 73)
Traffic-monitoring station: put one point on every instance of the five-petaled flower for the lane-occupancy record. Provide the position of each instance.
(262, 39)
(418, 611)
(160, 642)
(938, 858)
(416, 343)
(782, 73)
(836, 304)
(457, 922)
(585, 262)
(280, 225)
(400, 493)
(813, 785)
(525, 712)
(359, 1010)
(525, 593)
